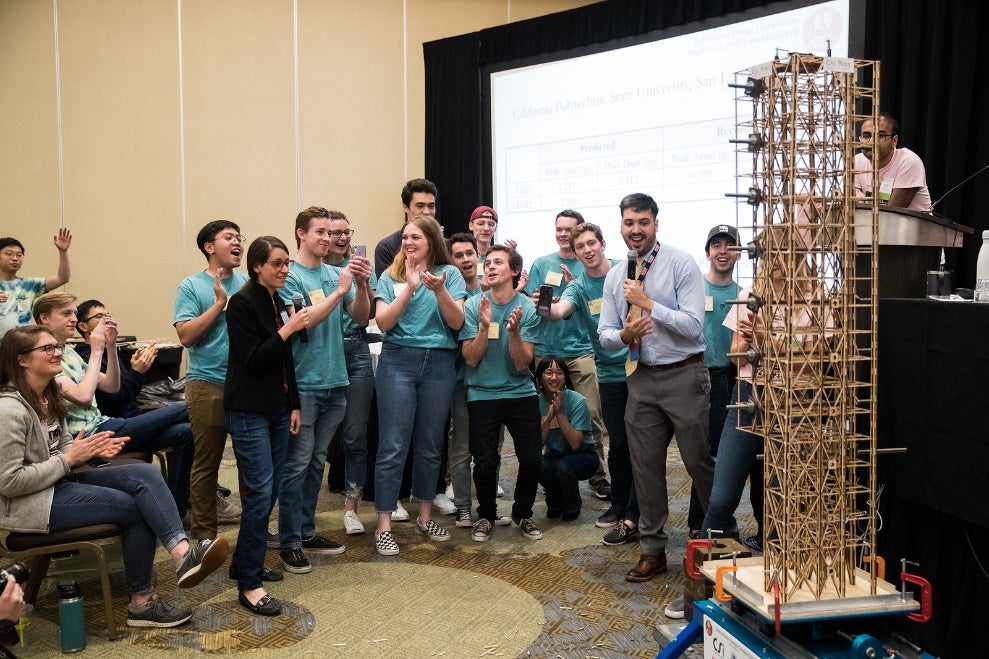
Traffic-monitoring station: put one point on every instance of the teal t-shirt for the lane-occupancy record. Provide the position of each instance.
(565, 338)
(716, 335)
(585, 294)
(421, 325)
(78, 418)
(496, 377)
(461, 364)
(348, 323)
(208, 356)
(319, 363)
(21, 294)
(575, 409)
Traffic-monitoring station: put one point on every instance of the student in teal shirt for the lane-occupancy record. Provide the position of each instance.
(419, 309)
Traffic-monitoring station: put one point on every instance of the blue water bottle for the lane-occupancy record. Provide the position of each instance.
(71, 621)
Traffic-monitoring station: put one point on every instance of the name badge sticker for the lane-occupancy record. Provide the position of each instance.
(708, 303)
(554, 278)
(493, 331)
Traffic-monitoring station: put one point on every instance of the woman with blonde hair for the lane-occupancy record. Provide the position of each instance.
(419, 309)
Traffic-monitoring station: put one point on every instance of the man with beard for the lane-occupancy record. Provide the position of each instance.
(659, 315)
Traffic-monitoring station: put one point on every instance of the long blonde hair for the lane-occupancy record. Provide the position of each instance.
(438, 253)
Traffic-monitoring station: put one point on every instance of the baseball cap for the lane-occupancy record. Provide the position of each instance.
(481, 211)
(722, 230)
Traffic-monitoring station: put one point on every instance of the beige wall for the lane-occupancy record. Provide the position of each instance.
(135, 122)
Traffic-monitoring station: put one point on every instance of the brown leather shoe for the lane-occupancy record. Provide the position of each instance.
(648, 567)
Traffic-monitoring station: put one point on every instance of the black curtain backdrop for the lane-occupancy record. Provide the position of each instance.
(934, 77)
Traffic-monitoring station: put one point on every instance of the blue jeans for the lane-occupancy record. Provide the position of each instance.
(722, 385)
(360, 395)
(260, 443)
(132, 496)
(166, 427)
(459, 453)
(414, 388)
(737, 453)
(305, 461)
(560, 476)
(521, 417)
(614, 397)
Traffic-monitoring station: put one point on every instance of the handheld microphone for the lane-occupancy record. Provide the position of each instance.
(298, 302)
(633, 262)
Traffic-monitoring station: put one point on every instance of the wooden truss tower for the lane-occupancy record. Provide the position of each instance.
(817, 407)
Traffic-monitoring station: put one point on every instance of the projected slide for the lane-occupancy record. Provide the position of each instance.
(654, 118)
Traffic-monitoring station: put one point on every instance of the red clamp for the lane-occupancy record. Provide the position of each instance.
(776, 608)
(697, 543)
(926, 607)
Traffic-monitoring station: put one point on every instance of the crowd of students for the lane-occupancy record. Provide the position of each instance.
(282, 351)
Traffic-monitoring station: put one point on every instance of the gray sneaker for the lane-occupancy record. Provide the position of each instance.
(481, 531)
(157, 613)
(528, 528)
(675, 608)
(227, 511)
(201, 560)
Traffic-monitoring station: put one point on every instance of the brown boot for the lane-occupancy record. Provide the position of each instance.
(649, 566)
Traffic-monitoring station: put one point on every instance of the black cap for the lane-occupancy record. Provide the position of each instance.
(722, 230)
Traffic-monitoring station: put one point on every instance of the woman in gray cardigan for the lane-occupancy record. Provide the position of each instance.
(46, 484)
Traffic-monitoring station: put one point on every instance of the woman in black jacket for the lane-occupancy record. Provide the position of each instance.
(262, 407)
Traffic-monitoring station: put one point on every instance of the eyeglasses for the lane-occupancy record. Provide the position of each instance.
(278, 264)
(342, 232)
(11, 254)
(97, 316)
(49, 348)
(867, 137)
(231, 238)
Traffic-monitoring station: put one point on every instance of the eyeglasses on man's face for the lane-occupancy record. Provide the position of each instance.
(96, 316)
(866, 136)
(13, 254)
(49, 349)
(231, 238)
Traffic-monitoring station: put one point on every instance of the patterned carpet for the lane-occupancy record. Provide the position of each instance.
(562, 596)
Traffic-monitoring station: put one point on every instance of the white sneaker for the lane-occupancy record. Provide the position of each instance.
(442, 503)
(352, 523)
(501, 492)
(227, 510)
(400, 514)
(449, 492)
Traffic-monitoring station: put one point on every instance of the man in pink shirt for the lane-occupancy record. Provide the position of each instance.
(902, 179)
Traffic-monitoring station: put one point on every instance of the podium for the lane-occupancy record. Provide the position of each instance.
(910, 244)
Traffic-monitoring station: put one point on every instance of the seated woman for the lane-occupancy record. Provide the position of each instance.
(569, 455)
(41, 489)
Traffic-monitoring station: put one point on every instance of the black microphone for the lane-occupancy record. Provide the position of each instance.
(936, 203)
(298, 302)
(633, 263)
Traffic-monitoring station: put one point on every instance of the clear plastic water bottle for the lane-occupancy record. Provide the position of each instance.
(982, 271)
(71, 617)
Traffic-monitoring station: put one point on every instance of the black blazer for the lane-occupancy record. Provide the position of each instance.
(258, 356)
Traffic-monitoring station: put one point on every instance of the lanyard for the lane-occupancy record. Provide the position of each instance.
(648, 263)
